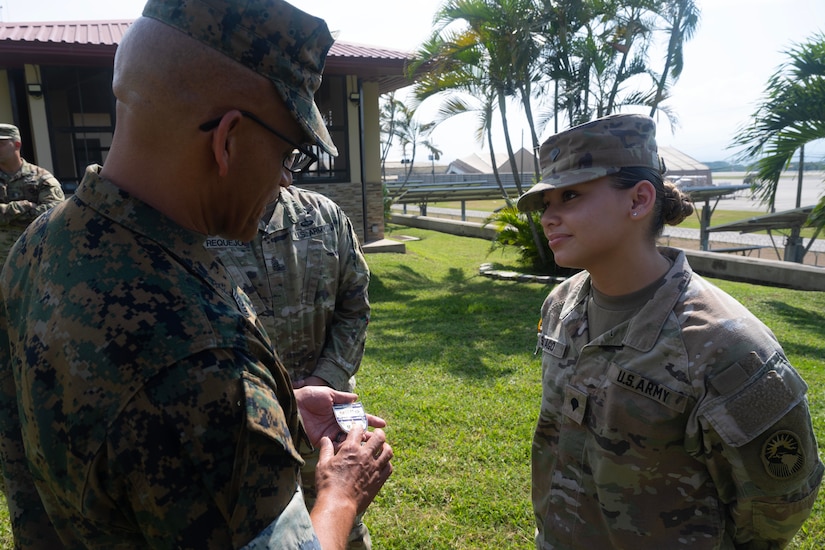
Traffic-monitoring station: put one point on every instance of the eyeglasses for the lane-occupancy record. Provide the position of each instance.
(297, 161)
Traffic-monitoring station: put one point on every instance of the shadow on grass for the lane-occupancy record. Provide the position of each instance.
(804, 322)
(461, 323)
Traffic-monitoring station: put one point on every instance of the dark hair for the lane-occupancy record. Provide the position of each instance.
(672, 206)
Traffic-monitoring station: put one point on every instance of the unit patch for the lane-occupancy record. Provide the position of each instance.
(782, 455)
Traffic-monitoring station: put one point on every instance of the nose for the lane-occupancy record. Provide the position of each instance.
(548, 217)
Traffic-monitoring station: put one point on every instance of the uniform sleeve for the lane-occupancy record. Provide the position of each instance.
(31, 526)
(761, 450)
(208, 456)
(50, 193)
(344, 347)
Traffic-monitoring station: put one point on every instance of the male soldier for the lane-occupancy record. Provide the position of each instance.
(141, 403)
(26, 190)
(307, 277)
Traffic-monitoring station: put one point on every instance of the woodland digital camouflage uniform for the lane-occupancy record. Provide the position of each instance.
(308, 279)
(136, 361)
(685, 427)
(154, 411)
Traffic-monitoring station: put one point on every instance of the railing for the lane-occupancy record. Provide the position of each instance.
(423, 193)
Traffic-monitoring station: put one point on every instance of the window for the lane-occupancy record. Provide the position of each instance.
(331, 101)
(80, 108)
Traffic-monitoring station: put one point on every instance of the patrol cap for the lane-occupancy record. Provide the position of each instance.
(592, 150)
(271, 37)
(9, 131)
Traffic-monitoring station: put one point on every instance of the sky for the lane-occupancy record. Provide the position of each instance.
(738, 45)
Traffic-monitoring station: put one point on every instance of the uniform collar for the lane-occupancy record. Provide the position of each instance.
(287, 212)
(644, 328)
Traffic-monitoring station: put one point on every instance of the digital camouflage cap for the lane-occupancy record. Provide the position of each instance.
(273, 38)
(592, 150)
(9, 131)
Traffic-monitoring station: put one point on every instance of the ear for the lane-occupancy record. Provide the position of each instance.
(224, 140)
(643, 199)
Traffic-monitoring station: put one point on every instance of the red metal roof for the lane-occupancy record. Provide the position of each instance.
(95, 42)
(97, 33)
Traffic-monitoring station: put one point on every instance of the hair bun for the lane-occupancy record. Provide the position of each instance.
(676, 205)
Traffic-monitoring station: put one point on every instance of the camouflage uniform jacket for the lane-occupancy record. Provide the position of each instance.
(138, 394)
(683, 427)
(27, 193)
(308, 279)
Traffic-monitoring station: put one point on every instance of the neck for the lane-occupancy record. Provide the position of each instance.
(645, 268)
(12, 165)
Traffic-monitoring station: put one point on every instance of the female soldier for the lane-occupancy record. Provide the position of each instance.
(670, 416)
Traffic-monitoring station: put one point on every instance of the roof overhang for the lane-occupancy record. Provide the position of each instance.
(94, 43)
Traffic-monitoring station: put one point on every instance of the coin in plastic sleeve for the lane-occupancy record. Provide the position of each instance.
(350, 415)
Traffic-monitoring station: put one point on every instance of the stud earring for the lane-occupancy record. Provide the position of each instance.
(635, 214)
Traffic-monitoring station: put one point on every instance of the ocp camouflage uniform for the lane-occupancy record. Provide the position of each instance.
(684, 427)
(308, 279)
(152, 409)
(25, 195)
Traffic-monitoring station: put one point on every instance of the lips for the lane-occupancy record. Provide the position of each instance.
(555, 239)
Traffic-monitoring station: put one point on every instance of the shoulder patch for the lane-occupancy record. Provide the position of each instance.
(782, 455)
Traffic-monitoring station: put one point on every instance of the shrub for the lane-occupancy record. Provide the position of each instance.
(513, 230)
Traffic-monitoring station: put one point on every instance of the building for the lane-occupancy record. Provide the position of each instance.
(55, 85)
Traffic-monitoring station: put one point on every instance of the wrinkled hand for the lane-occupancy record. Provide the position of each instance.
(315, 405)
(356, 471)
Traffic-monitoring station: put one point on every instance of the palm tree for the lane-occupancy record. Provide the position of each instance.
(790, 117)
(594, 53)
(387, 113)
(682, 18)
(410, 133)
(494, 50)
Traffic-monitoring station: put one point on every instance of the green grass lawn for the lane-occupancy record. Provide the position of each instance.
(449, 364)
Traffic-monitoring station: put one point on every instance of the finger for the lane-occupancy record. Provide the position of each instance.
(375, 442)
(298, 384)
(356, 434)
(325, 449)
(376, 421)
(343, 397)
